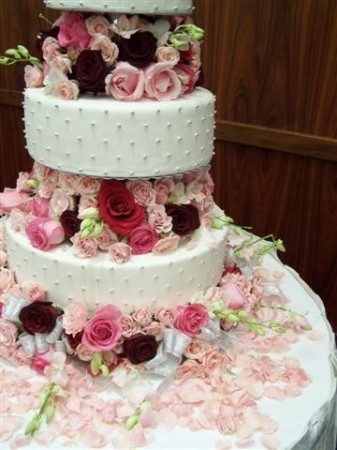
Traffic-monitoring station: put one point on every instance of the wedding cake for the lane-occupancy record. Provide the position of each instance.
(116, 261)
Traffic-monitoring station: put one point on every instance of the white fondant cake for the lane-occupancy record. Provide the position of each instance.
(125, 6)
(108, 138)
(145, 280)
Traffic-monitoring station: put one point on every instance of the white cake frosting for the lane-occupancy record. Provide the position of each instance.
(124, 6)
(146, 280)
(107, 138)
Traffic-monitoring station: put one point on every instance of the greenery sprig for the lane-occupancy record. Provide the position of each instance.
(18, 54)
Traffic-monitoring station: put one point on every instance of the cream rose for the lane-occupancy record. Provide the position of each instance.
(120, 252)
(108, 49)
(168, 55)
(61, 202)
(142, 191)
(97, 24)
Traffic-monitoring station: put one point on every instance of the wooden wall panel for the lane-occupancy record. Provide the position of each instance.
(272, 65)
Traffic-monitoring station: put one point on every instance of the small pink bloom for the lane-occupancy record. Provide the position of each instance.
(47, 184)
(142, 239)
(196, 350)
(129, 326)
(41, 361)
(45, 233)
(143, 317)
(50, 48)
(8, 333)
(166, 316)
(97, 25)
(108, 49)
(168, 55)
(163, 187)
(61, 202)
(87, 185)
(68, 183)
(34, 292)
(74, 318)
(83, 353)
(187, 76)
(161, 82)
(191, 319)
(120, 252)
(22, 182)
(166, 245)
(33, 76)
(73, 31)
(125, 82)
(11, 198)
(142, 191)
(103, 331)
(7, 280)
(67, 90)
(155, 329)
(84, 248)
(158, 219)
(40, 206)
(106, 238)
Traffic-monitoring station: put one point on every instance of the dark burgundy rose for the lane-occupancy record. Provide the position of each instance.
(90, 71)
(140, 348)
(70, 223)
(38, 317)
(41, 36)
(74, 341)
(139, 50)
(185, 218)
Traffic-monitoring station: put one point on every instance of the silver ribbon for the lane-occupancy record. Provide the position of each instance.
(211, 332)
(41, 342)
(169, 353)
(28, 344)
(60, 346)
(13, 307)
(56, 333)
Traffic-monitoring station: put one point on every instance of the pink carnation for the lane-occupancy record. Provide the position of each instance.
(143, 317)
(142, 191)
(103, 331)
(125, 82)
(191, 319)
(142, 239)
(75, 317)
(45, 233)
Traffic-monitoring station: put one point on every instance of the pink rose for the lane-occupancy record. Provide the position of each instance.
(45, 233)
(163, 187)
(168, 55)
(97, 25)
(155, 329)
(120, 252)
(67, 90)
(84, 248)
(142, 191)
(234, 298)
(7, 280)
(61, 64)
(143, 317)
(42, 172)
(50, 48)
(166, 316)
(142, 239)
(33, 76)
(103, 331)
(34, 292)
(196, 350)
(129, 326)
(68, 183)
(11, 198)
(73, 31)
(87, 185)
(106, 238)
(87, 201)
(158, 219)
(48, 184)
(161, 82)
(40, 206)
(75, 317)
(84, 353)
(108, 49)
(61, 202)
(214, 363)
(191, 319)
(8, 333)
(125, 82)
(166, 245)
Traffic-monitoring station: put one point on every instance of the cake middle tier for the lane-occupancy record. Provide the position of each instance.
(102, 137)
(145, 281)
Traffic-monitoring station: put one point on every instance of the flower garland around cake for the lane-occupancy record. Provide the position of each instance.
(126, 57)
(210, 339)
(117, 217)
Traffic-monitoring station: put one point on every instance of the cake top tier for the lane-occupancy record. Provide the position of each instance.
(157, 7)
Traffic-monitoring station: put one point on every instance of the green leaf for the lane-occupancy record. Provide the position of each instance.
(23, 51)
(96, 363)
(50, 411)
(3, 60)
(33, 426)
(13, 52)
(105, 371)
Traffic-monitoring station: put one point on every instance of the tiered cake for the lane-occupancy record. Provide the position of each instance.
(118, 256)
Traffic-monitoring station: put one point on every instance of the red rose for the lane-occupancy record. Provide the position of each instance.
(139, 50)
(74, 341)
(118, 208)
(38, 317)
(140, 348)
(70, 223)
(90, 71)
(185, 218)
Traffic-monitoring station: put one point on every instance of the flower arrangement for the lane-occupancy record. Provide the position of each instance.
(120, 218)
(126, 57)
(198, 342)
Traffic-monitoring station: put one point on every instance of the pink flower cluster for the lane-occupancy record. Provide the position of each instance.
(130, 58)
(53, 207)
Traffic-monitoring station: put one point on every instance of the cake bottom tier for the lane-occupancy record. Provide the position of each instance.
(144, 281)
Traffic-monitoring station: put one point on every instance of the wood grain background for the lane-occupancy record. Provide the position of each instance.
(272, 65)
